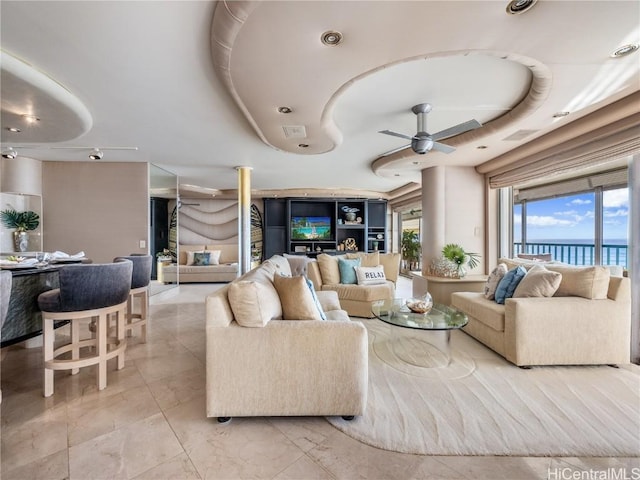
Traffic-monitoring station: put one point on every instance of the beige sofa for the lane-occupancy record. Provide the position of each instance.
(225, 271)
(565, 329)
(287, 367)
(355, 299)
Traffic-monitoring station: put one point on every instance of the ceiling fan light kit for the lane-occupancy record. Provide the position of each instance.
(96, 154)
(9, 153)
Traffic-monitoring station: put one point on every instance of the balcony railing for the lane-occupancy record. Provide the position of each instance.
(577, 253)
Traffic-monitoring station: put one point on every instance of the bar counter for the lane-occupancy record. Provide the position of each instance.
(24, 319)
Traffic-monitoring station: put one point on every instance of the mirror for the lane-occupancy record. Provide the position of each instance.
(163, 228)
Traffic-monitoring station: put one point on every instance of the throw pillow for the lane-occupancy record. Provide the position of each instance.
(509, 283)
(191, 256)
(329, 270)
(370, 275)
(366, 259)
(391, 264)
(201, 258)
(295, 298)
(494, 279)
(315, 298)
(586, 282)
(214, 256)
(539, 282)
(347, 270)
(254, 303)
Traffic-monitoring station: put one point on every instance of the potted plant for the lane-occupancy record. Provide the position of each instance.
(455, 254)
(410, 247)
(22, 222)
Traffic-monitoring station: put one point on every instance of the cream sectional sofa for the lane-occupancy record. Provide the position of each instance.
(357, 300)
(286, 367)
(586, 322)
(225, 271)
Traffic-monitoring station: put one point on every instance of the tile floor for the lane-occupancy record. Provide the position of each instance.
(149, 423)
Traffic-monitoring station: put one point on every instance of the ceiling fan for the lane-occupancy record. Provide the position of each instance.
(423, 142)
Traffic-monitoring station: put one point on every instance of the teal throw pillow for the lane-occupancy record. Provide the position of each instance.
(508, 284)
(315, 298)
(201, 258)
(348, 270)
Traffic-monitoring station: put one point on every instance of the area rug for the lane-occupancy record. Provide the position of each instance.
(483, 405)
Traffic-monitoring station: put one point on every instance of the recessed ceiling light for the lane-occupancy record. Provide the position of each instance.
(331, 38)
(30, 118)
(14, 129)
(625, 50)
(9, 153)
(303, 145)
(481, 147)
(516, 7)
(285, 109)
(560, 114)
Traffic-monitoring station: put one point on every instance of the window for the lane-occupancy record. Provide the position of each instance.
(589, 227)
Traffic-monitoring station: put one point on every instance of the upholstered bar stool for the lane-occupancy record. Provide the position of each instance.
(140, 279)
(92, 291)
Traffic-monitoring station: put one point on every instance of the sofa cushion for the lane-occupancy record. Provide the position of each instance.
(295, 298)
(281, 265)
(494, 279)
(485, 311)
(329, 268)
(587, 282)
(338, 316)
(366, 259)
(391, 264)
(203, 269)
(363, 293)
(538, 282)
(347, 270)
(540, 257)
(508, 284)
(298, 264)
(228, 252)
(370, 275)
(254, 303)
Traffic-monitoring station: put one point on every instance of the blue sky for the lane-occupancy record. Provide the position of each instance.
(572, 217)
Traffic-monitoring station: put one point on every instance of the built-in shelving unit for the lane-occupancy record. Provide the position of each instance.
(311, 226)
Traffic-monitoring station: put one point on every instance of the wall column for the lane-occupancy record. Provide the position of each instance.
(633, 261)
(433, 214)
(244, 219)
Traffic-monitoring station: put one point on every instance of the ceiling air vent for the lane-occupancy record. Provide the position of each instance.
(294, 131)
(519, 135)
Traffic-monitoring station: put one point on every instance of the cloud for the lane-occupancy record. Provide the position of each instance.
(579, 201)
(621, 212)
(548, 221)
(615, 198)
(567, 213)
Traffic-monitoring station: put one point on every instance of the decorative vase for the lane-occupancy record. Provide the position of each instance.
(461, 271)
(20, 241)
(350, 216)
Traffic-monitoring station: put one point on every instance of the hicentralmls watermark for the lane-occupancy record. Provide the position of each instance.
(612, 473)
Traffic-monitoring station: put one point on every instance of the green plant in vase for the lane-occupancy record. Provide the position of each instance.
(22, 222)
(410, 247)
(456, 255)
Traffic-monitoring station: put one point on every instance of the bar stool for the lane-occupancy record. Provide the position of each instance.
(91, 291)
(140, 279)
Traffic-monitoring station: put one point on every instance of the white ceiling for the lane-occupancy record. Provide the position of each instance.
(144, 72)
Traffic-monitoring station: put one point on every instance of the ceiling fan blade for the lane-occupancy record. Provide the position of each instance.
(456, 129)
(394, 134)
(395, 150)
(441, 147)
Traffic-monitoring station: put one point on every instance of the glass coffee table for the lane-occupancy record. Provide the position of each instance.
(429, 350)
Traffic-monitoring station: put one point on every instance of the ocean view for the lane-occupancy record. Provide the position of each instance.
(578, 251)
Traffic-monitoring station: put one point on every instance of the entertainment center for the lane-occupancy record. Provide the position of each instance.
(318, 225)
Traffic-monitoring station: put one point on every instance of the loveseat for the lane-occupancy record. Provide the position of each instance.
(356, 299)
(587, 321)
(258, 364)
(225, 268)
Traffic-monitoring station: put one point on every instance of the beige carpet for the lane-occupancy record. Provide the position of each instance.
(483, 405)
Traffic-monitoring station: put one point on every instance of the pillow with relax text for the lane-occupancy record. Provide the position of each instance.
(370, 275)
(509, 283)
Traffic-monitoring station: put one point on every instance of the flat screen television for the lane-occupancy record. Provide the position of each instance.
(311, 228)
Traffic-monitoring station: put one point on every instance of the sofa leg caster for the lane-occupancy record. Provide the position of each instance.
(524, 367)
(348, 418)
(224, 420)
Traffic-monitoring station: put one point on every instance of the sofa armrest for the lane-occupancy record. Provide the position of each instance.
(288, 367)
(567, 330)
(328, 300)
